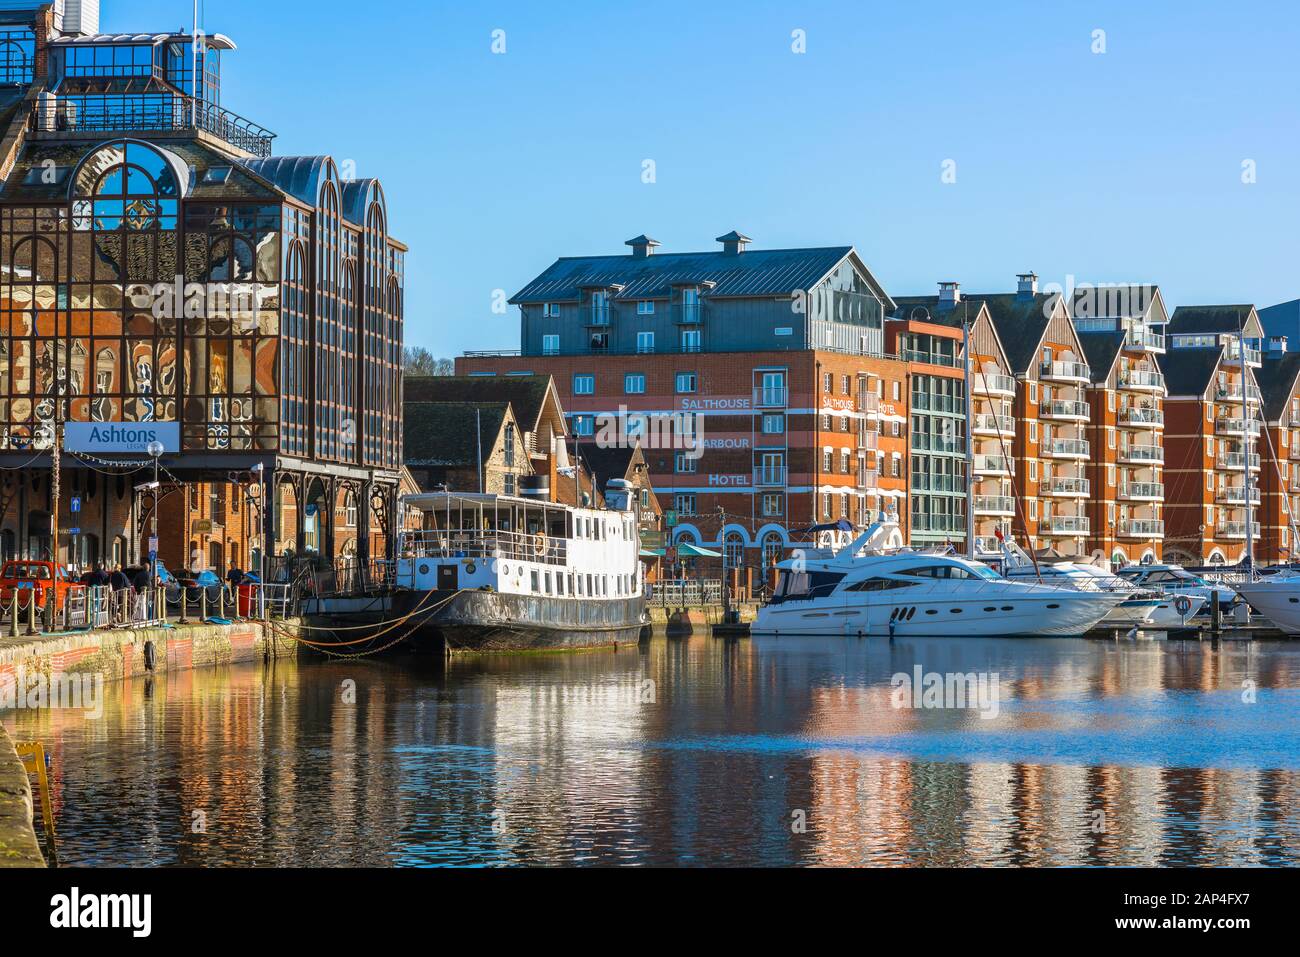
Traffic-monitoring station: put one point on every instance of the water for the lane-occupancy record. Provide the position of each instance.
(762, 752)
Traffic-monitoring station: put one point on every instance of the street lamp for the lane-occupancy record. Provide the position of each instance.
(155, 450)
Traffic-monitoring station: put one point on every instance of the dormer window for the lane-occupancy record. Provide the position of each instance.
(550, 310)
(645, 307)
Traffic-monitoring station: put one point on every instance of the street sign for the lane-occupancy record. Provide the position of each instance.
(74, 531)
(153, 543)
(652, 538)
(670, 518)
(201, 526)
(75, 505)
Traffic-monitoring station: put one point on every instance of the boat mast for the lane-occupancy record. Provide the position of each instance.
(1248, 421)
(970, 444)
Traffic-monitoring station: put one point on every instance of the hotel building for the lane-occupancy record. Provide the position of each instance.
(780, 356)
(1121, 328)
(160, 268)
(1212, 430)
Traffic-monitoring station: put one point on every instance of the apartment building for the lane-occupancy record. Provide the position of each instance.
(1279, 480)
(756, 382)
(994, 498)
(1121, 328)
(1212, 428)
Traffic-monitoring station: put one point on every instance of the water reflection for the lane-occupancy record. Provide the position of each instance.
(694, 752)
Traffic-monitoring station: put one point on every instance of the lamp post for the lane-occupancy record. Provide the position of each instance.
(155, 450)
(263, 533)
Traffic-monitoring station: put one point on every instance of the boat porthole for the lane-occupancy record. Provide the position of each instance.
(505, 570)
(931, 611)
(424, 569)
(1294, 600)
(991, 608)
(1053, 606)
(893, 614)
(470, 568)
(1008, 607)
(956, 611)
(910, 613)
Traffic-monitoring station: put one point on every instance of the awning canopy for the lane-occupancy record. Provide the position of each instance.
(652, 553)
(689, 550)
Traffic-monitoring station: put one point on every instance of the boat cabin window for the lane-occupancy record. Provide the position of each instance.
(880, 584)
(532, 578)
(802, 586)
(950, 572)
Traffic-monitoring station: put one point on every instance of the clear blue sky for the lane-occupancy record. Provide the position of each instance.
(1122, 166)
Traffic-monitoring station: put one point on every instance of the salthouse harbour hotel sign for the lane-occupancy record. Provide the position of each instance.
(120, 437)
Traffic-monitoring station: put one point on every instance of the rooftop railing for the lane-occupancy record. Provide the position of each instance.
(150, 112)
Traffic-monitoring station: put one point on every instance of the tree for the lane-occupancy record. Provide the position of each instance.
(420, 361)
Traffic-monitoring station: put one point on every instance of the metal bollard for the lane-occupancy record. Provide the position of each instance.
(221, 603)
(203, 604)
(31, 614)
(13, 619)
(185, 600)
(161, 613)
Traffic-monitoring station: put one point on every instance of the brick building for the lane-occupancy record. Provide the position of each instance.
(1279, 480)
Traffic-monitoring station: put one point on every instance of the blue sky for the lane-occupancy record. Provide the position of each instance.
(1119, 166)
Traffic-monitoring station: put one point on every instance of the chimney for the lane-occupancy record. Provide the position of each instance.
(949, 294)
(642, 246)
(1026, 285)
(80, 17)
(734, 243)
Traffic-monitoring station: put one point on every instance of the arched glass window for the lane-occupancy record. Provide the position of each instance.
(733, 552)
(125, 186)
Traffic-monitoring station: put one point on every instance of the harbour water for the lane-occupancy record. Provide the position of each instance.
(695, 752)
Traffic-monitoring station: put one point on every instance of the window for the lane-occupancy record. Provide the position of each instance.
(828, 382)
(844, 461)
(645, 307)
(845, 384)
(773, 423)
(550, 345)
(828, 461)
(685, 464)
(684, 503)
(634, 383)
(584, 425)
(584, 384)
(690, 340)
(509, 483)
(550, 310)
(686, 382)
(784, 331)
(897, 391)
(772, 505)
(645, 342)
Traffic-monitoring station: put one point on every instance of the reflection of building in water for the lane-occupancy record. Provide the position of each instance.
(159, 267)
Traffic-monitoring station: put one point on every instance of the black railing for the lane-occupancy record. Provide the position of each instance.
(155, 112)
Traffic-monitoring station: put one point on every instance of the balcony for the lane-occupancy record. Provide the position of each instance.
(1232, 392)
(1232, 354)
(1136, 418)
(1142, 491)
(868, 479)
(1065, 372)
(1236, 461)
(1066, 448)
(986, 424)
(1067, 525)
(1237, 427)
(596, 314)
(996, 385)
(1141, 455)
(993, 465)
(1066, 410)
(1141, 380)
(688, 313)
(97, 114)
(868, 402)
(769, 476)
(1293, 452)
(995, 505)
(1066, 488)
(1236, 495)
(770, 397)
(1237, 530)
(1144, 340)
(1142, 528)
(868, 439)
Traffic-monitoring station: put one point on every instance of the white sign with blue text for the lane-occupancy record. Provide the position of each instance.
(131, 438)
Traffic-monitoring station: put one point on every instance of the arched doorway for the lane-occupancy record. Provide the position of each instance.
(317, 524)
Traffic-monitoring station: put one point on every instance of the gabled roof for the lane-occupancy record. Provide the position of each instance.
(1282, 319)
(1189, 371)
(1021, 323)
(527, 394)
(610, 463)
(445, 434)
(1101, 349)
(1117, 300)
(1189, 320)
(1276, 379)
(755, 272)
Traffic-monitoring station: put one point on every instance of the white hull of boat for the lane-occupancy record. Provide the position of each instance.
(1278, 600)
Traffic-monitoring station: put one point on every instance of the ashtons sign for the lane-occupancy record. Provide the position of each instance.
(130, 437)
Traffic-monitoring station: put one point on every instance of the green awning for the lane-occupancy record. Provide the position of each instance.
(695, 551)
(652, 553)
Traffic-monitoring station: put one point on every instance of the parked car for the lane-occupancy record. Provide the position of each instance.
(34, 579)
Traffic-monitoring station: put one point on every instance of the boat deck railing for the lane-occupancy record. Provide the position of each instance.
(465, 543)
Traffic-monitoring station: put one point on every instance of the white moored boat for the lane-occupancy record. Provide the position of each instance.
(907, 593)
(1141, 608)
(500, 573)
(1276, 597)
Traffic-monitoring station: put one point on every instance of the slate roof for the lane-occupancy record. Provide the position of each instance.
(608, 463)
(946, 315)
(755, 272)
(1189, 371)
(1276, 379)
(1090, 301)
(526, 393)
(445, 434)
(1100, 349)
(1020, 322)
(1188, 320)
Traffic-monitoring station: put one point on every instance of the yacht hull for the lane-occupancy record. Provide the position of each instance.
(490, 621)
(1278, 601)
(988, 616)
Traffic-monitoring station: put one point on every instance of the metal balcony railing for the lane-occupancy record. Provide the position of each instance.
(1001, 424)
(1067, 524)
(1234, 426)
(770, 397)
(1154, 491)
(993, 463)
(1237, 530)
(1145, 339)
(1142, 454)
(1071, 371)
(1235, 461)
(994, 384)
(770, 475)
(1066, 409)
(995, 505)
(1236, 495)
(1141, 380)
(1066, 486)
(1142, 418)
(1079, 448)
(153, 112)
(1142, 528)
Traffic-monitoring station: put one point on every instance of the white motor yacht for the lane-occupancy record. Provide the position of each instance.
(1142, 608)
(908, 593)
(1276, 597)
(1174, 580)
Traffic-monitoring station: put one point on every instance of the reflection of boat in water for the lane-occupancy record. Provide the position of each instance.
(856, 592)
(501, 573)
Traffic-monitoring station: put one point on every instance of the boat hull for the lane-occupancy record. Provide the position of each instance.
(1278, 601)
(1001, 616)
(490, 621)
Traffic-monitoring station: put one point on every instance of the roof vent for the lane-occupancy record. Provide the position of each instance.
(1027, 285)
(734, 243)
(642, 246)
(949, 293)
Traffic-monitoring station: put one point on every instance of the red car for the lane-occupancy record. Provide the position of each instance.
(33, 579)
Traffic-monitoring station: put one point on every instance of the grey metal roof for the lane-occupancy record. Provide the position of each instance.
(217, 41)
(1193, 319)
(299, 176)
(1276, 379)
(1094, 301)
(756, 272)
(1020, 322)
(1189, 371)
